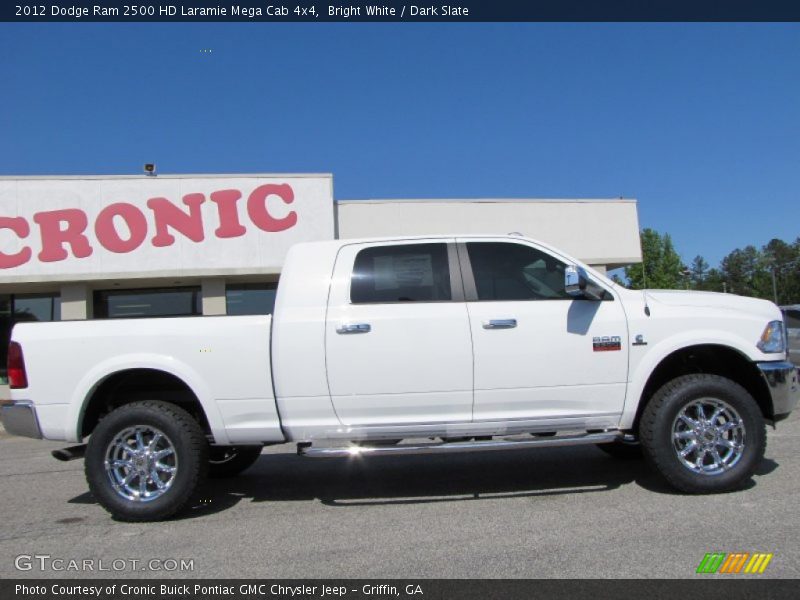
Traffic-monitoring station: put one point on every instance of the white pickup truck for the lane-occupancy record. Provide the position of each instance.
(393, 346)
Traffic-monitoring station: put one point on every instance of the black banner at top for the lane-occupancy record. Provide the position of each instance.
(389, 11)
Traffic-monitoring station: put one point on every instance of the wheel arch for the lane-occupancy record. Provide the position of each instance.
(712, 358)
(123, 381)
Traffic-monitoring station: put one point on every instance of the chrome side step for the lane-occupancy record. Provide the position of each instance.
(446, 447)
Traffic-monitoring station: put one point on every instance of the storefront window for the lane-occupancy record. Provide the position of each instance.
(250, 298)
(18, 308)
(152, 302)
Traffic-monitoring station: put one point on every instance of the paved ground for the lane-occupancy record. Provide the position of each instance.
(540, 513)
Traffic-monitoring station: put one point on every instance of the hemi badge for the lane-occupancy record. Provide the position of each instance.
(607, 343)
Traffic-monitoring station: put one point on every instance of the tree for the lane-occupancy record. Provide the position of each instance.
(744, 272)
(698, 272)
(782, 261)
(661, 265)
(714, 281)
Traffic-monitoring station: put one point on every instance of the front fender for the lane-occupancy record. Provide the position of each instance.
(647, 364)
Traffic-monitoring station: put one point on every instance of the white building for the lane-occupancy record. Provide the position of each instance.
(133, 246)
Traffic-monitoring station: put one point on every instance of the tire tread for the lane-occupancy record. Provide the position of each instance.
(648, 429)
(198, 446)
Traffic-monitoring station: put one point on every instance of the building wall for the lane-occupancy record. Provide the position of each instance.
(67, 229)
(602, 233)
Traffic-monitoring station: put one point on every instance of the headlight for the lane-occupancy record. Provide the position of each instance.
(773, 340)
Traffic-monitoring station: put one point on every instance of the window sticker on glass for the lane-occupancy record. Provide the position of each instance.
(408, 270)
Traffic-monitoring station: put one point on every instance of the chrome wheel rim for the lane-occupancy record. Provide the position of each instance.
(708, 436)
(141, 463)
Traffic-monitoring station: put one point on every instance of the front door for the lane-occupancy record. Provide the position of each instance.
(539, 353)
(397, 337)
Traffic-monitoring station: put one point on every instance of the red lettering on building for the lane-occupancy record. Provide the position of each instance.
(54, 236)
(63, 231)
(259, 211)
(229, 225)
(106, 230)
(19, 226)
(169, 215)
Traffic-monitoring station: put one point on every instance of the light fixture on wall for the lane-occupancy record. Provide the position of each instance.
(150, 169)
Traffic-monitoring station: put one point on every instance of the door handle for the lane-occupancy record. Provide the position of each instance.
(500, 324)
(354, 328)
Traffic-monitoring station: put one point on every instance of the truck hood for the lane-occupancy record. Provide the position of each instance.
(716, 300)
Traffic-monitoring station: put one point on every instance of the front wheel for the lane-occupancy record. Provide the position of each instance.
(145, 460)
(703, 433)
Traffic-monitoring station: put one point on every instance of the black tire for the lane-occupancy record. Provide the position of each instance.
(227, 461)
(189, 457)
(623, 450)
(658, 434)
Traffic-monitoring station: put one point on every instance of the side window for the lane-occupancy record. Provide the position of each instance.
(408, 273)
(507, 271)
(792, 318)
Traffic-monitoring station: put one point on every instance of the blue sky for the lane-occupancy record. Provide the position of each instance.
(699, 122)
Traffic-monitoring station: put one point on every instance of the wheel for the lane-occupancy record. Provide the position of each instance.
(227, 461)
(144, 460)
(623, 450)
(703, 433)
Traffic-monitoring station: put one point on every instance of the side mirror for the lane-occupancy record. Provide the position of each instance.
(578, 285)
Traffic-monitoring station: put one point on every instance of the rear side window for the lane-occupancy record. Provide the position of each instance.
(792, 318)
(408, 273)
(505, 271)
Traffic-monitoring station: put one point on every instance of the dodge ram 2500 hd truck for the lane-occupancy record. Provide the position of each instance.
(418, 345)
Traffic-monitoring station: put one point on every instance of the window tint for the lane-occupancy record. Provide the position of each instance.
(154, 302)
(250, 298)
(506, 271)
(412, 273)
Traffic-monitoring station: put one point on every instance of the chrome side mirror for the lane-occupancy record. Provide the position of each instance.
(578, 285)
(572, 281)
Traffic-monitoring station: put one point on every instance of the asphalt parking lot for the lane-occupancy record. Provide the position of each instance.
(568, 512)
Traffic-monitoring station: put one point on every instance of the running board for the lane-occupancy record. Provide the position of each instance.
(446, 447)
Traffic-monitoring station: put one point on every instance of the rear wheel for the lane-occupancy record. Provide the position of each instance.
(227, 461)
(703, 433)
(145, 460)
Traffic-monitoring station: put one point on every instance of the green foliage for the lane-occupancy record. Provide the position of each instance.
(771, 272)
(750, 271)
(662, 267)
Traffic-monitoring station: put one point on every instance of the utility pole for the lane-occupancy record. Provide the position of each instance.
(774, 285)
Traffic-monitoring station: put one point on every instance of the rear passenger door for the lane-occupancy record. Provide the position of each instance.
(397, 337)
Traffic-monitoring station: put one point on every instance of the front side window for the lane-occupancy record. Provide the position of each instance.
(408, 273)
(505, 271)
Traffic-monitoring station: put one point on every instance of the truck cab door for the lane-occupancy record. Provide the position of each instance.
(397, 339)
(539, 353)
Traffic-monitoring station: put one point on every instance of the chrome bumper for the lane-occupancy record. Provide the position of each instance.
(781, 377)
(19, 418)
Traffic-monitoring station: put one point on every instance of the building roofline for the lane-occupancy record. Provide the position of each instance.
(168, 176)
(492, 200)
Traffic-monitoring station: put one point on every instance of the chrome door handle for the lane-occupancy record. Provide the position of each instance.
(500, 324)
(354, 328)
